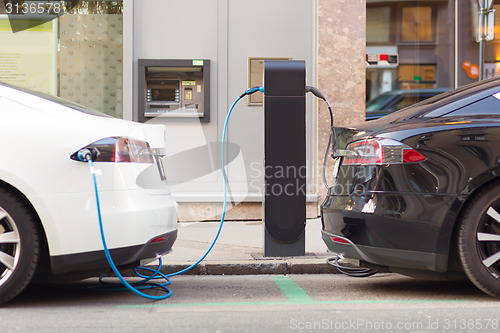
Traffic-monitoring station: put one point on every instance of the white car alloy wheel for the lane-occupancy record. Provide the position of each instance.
(10, 246)
(19, 246)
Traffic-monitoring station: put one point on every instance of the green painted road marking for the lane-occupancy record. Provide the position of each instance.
(295, 295)
(292, 291)
(180, 305)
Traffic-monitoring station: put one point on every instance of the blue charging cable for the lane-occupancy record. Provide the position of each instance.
(134, 287)
(86, 155)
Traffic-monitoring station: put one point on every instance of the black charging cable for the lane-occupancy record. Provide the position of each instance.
(350, 271)
(316, 92)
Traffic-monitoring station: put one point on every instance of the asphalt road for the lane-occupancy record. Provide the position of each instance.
(260, 303)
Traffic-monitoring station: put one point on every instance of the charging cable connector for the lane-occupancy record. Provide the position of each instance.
(252, 90)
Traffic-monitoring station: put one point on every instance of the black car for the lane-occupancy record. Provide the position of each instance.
(418, 192)
(395, 100)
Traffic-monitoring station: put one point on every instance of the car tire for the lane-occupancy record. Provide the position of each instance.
(479, 240)
(19, 246)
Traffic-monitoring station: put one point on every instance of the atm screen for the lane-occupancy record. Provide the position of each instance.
(163, 91)
(163, 95)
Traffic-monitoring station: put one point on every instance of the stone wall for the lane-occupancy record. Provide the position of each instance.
(341, 70)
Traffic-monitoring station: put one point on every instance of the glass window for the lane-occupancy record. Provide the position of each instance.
(378, 102)
(491, 66)
(75, 51)
(378, 23)
(418, 39)
(416, 24)
(417, 76)
(497, 22)
(486, 106)
(407, 100)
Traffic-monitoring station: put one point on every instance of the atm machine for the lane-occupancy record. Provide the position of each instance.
(174, 89)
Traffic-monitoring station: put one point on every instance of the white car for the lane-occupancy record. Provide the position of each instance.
(48, 216)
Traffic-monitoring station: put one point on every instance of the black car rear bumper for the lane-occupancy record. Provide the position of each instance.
(390, 258)
(389, 229)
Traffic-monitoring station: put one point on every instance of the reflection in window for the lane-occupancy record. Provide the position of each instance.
(77, 55)
(417, 76)
(407, 100)
(497, 22)
(91, 56)
(378, 23)
(416, 24)
(487, 107)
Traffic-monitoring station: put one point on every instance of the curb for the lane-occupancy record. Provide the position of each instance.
(255, 267)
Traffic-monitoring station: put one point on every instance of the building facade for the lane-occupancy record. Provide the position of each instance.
(182, 64)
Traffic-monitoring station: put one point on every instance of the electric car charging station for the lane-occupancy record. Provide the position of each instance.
(284, 146)
(190, 199)
(284, 212)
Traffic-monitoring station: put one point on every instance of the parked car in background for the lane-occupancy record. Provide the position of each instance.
(418, 191)
(48, 215)
(395, 100)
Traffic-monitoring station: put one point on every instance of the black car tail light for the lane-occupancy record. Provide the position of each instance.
(380, 151)
(340, 240)
(121, 149)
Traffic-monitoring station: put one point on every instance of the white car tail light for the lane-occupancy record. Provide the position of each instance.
(380, 151)
(121, 149)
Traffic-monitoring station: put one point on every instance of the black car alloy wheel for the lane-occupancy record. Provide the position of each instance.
(19, 246)
(479, 240)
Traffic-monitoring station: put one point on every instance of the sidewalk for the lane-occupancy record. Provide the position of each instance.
(239, 250)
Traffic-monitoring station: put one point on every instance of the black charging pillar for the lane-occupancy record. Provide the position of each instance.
(284, 158)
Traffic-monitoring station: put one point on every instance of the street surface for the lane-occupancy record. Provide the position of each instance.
(259, 303)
